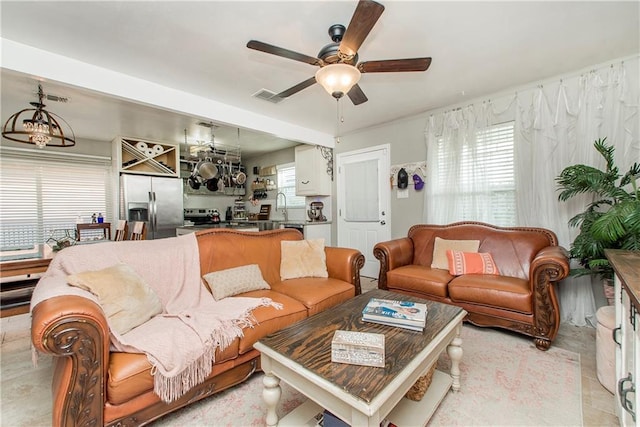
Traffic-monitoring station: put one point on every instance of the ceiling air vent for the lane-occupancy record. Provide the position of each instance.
(267, 95)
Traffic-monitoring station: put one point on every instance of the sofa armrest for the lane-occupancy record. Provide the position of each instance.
(74, 329)
(345, 264)
(549, 266)
(552, 262)
(392, 254)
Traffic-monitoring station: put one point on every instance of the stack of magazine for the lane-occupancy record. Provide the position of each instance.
(403, 314)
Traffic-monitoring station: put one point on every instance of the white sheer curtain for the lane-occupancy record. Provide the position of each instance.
(555, 126)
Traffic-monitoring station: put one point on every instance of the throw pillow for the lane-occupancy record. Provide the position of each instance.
(126, 299)
(471, 263)
(234, 281)
(302, 258)
(441, 246)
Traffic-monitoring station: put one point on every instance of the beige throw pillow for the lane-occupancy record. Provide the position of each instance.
(302, 258)
(233, 281)
(441, 246)
(125, 298)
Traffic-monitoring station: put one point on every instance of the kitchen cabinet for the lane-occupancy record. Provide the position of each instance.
(318, 231)
(627, 333)
(312, 178)
(138, 156)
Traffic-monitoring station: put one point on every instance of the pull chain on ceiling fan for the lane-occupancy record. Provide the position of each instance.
(340, 70)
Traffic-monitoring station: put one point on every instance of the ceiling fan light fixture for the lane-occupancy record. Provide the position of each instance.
(338, 79)
(39, 127)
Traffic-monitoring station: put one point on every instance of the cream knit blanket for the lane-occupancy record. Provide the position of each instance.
(181, 342)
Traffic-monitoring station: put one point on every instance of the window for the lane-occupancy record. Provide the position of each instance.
(479, 176)
(287, 185)
(43, 193)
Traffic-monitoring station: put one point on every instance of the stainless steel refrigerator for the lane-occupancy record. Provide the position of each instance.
(155, 200)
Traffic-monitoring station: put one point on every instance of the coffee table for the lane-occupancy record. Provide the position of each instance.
(361, 395)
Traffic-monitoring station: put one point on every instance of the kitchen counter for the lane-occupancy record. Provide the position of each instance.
(242, 226)
(261, 225)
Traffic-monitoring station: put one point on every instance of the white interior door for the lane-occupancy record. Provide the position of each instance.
(363, 202)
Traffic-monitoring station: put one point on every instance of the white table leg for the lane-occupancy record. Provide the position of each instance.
(455, 353)
(271, 395)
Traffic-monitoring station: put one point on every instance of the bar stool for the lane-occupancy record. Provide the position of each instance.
(122, 230)
(138, 230)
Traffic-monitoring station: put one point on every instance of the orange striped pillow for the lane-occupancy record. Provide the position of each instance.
(471, 263)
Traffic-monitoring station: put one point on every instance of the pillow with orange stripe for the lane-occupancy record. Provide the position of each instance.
(471, 263)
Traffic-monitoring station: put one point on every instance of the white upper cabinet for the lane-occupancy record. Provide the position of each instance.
(312, 178)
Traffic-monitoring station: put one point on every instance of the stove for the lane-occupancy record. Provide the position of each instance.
(198, 216)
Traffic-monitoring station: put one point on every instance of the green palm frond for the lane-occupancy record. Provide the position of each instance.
(612, 221)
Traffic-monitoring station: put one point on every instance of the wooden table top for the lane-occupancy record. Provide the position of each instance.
(627, 267)
(308, 342)
(25, 266)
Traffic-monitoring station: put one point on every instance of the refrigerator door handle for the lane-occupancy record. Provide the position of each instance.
(155, 214)
(152, 211)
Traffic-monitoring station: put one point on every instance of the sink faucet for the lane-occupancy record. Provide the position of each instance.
(284, 211)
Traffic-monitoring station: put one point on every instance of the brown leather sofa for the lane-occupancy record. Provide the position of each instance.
(522, 299)
(94, 386)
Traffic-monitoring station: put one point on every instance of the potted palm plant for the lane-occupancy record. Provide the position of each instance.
(611, 220)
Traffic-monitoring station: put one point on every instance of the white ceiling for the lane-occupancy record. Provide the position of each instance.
(477, 47)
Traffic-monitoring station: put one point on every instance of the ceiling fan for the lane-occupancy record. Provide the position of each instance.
(341, 57)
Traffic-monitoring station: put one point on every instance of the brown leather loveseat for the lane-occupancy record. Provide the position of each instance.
(522, 298)
(95, 386)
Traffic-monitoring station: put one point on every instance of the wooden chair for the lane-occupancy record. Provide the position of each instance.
(138, 230)
(122, 230)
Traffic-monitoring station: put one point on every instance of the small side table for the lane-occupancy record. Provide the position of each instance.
(104, 226)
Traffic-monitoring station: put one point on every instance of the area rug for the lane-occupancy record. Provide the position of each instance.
(505, 381)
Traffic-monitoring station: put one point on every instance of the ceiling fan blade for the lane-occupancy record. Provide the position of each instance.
(395, 65)
(364, 18)
(285, 53)
(357, 96)
(297, 88)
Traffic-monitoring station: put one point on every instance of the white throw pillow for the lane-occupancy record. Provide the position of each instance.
(234, 281)
(302, 258)
(125, 298)
(440, 247)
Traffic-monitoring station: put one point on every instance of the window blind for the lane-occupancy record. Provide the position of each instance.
(483, 171)
(43, 194)
(287, 185)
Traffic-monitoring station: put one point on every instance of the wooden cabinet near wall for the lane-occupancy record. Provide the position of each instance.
(139, 156)
(627, 333)
(312, 178)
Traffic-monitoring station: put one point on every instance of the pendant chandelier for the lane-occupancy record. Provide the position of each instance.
(38, 126)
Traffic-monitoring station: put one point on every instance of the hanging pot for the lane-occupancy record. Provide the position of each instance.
(239, 178)
(194, 183)
(212, 184)
(206, 169)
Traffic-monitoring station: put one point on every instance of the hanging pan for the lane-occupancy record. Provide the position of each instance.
(212, 184)
(206, 169)
(194, 182)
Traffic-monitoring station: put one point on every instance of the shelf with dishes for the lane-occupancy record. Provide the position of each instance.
(147, 157)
